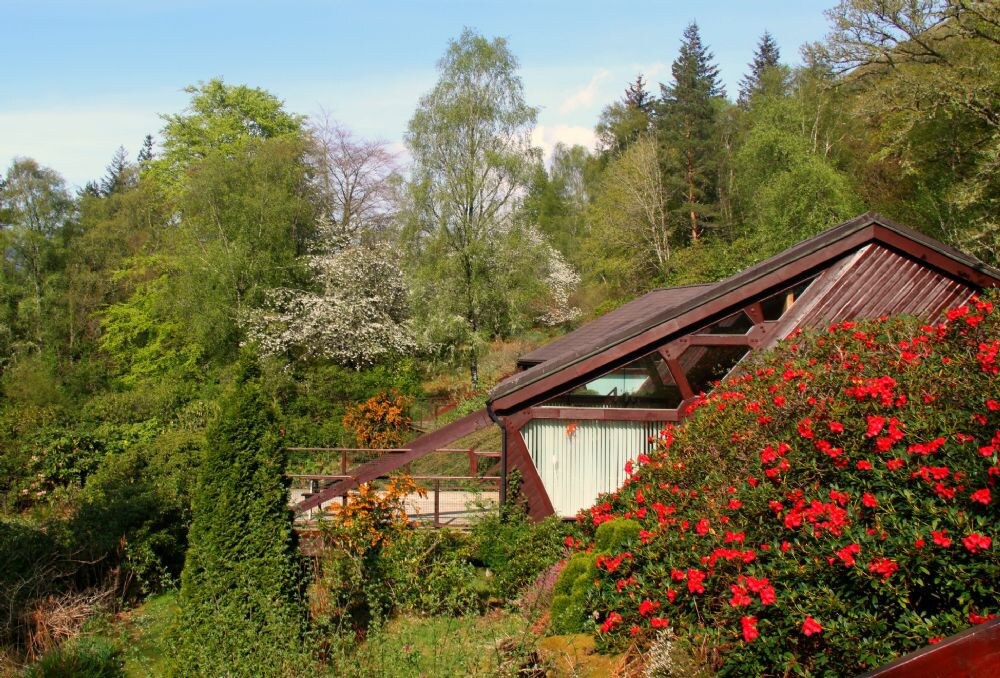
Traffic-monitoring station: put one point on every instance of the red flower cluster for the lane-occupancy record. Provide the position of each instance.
(976, 542)
(883, 566)
(811, 626)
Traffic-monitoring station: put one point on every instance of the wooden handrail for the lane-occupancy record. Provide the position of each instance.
(390, 450)
(308, 476)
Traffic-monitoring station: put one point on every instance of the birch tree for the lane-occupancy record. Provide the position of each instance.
(470, 142)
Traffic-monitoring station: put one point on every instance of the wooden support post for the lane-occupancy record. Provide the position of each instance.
(437, 502)
(343, 462)
(473, 464)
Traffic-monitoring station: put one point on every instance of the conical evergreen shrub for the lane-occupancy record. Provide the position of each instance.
(242, 609)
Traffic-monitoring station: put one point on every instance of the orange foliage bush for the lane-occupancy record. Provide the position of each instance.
(372, 515)
(380, 422)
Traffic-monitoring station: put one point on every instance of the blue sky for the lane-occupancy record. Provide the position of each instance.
(81, 78)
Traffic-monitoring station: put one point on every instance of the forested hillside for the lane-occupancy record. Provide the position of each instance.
(243, 232)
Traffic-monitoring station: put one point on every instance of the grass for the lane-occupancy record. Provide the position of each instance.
(497, 643)
(144, 635)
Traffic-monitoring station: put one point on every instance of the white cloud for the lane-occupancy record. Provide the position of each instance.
(547, 136)
(587, 95)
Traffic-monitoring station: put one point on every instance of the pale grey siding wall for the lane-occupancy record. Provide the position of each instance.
(575, 468)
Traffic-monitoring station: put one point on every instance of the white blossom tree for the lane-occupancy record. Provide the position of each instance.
(357, 316)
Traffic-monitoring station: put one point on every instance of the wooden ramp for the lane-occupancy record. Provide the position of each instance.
(384, 465)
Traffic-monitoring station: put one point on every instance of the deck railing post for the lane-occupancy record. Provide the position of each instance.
(473, 463)
(437, 503)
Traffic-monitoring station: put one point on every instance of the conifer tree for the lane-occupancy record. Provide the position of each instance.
(636, 95)
(687, 123)
(146, 152)
(118, 174)
(242, 610)
(766, 56)
(623, 122)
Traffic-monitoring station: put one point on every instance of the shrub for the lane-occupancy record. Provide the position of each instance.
(380, 422)
(569, 602)
(82, 658)
(241, 603)
(516, 549)
(349, 588)
(833, 507)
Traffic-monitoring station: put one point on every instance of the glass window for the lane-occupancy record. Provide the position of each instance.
(778, 304)
(737, 323)
(644, 383)
(705, 365)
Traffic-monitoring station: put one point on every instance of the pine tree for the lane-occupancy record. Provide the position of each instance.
(636, 95)
(687, 123)
(766, 56)
(118, 174)
(242, 610)
(622, 122)
(146, 152)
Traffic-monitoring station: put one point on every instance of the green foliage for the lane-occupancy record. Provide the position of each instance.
(431, 574)
(830, 509)
(569, 604)
(81, 658)
(616, 535)
(516, 549)
(220, 116)
(241, 588)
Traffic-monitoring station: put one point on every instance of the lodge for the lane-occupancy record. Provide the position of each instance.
(581, 406)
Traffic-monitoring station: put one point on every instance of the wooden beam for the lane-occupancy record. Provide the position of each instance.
(420, 447)
(601, 414)
(972, 653)
(532, 488)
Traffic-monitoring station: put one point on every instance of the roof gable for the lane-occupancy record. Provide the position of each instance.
(602, 341)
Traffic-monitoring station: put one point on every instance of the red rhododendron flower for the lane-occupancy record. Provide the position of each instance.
(883, 566)
(847, 554)
(702, 526)
(976, 542)
(659, 622)
(835, 427)
(863, 465)
(869, 500)
(648, 607)
(613, 620)
(694, 580)
(941, 538)
(934, 641)
(919, 543)
(740, 596)
(811, 626)
(735, 504)
(894, 464)
(982, 496)
(749, 626)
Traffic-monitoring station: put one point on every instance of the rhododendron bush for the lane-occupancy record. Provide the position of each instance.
(830, 508)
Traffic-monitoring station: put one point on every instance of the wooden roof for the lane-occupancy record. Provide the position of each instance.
(634, 313)
(634, 328)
